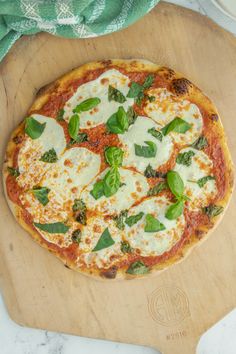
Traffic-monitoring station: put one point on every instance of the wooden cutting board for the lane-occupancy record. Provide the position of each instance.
(171, 310)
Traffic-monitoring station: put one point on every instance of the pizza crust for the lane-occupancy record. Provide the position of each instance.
(179, 86)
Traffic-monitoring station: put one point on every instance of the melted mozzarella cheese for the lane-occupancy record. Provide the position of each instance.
(154, 243)
(75, 169)
(135, 186)
(65, 179)
(166, 107)
(91, 233)
(30, 167)
(201, 166)
(53, 135)
(138, 134)
(99, 88)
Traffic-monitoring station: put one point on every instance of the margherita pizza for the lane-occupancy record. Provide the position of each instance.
(119, 168)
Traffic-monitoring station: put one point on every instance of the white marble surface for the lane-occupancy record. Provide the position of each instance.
(14, 339)
(208, 8)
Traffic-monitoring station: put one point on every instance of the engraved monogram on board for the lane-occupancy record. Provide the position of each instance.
(168, 305)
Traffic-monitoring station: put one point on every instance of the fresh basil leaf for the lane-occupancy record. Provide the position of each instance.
(118, 122)
(202, 181)
(119, 219)
(213, 210)
(33, 128)
(60, 115)
(113, 125)
(73, 126)
(111, 182)
(86, 105)
(131, 115)
(152, 224)
(125, 247)
(177, 125)
(122, 118)
(200, 143)
(185, 158)
(54, 228)
(98, 190)
(104, 241)
(135, 90)
(81, 137)
(79, 208)
(157, 134)
(76, 236)
(137, 267)
(146, 151)
(115, 95)
(49, 156)
(175, 210)
(131, 220)
(148, 81)
(114, 156)
(41, 193)
(175, 183)
(159, 187)
(13, 171)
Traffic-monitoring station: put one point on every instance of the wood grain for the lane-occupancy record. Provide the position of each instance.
(171, 310)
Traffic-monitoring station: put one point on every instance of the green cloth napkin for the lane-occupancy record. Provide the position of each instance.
(67, 18)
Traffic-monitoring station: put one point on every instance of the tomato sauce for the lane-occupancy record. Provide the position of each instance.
(98, 139)
(55, 102)
(13, 190)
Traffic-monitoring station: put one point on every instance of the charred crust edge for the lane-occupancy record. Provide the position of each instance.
(18, 139)
(110, 273)
(47, 89)
(181, 86)
(106, 62)
(167, 73)
(214, 117)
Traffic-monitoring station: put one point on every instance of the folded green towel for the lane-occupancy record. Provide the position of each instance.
(67, 18)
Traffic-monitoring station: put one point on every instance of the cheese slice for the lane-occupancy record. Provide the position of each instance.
(75, 169)
(154, 243)
(138, 134)
(30, 167)
(201, 166)
(65, 179)
(99, 88)
(135, 187)
(91, 233)
(166, 107)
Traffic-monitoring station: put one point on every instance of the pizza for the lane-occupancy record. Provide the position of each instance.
(119, 168)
